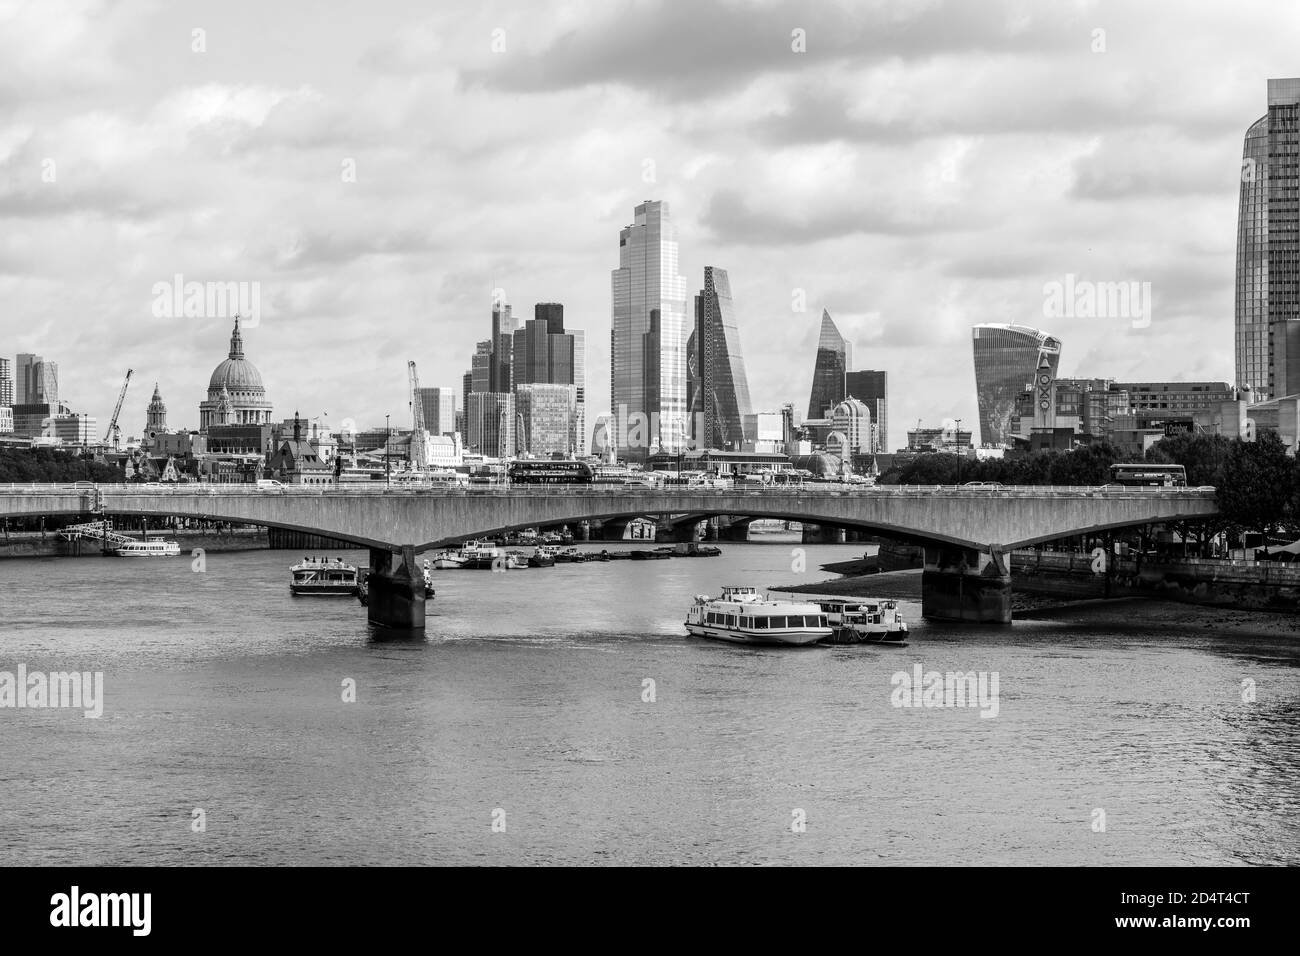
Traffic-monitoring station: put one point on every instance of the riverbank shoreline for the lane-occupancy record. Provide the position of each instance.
(1119, 611)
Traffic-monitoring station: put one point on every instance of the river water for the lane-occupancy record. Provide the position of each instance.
(521, 730)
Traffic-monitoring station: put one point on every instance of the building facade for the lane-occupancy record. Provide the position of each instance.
(719, 389)
(871, 388)
(38, 381)
(490, 420)
(828, 370)
(439, 405)
(649, 334)
(6, 383)
(1007, 359)
(546, 419)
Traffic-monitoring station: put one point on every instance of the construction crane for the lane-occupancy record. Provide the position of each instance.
(114, 436)
(419, 450)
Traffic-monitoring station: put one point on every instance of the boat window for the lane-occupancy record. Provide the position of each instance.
(778, 622)
(760, 622)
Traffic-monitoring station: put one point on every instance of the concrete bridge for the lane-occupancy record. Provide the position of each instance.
(966, 531)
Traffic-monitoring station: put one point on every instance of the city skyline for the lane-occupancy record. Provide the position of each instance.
(399, 267)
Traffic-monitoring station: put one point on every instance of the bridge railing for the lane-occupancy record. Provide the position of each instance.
(818, 490)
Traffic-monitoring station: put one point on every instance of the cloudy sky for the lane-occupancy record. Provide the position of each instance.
(919, 168)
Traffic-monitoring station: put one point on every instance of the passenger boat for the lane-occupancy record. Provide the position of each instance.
(865, 622)
(479, 557)
(743, 616)
(449, 559)
(148, 548)
(324, 577)
(543, 557)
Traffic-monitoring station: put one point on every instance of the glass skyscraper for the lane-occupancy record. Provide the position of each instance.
(648, 335)
(720, 390)
(828, 371)
(1006, 361)
(1267, 304)
(872, 389)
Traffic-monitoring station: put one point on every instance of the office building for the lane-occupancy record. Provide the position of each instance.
(719, 399)
(439, 405)
(648, 336)
(490, 419)
(6, 383)
(38, 381)
(1267, 301)
(828, 370)
(871, 388)
(547, 419)
(1007, 363)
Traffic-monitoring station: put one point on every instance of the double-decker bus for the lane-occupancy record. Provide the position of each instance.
(1149, 476)
(550, 473)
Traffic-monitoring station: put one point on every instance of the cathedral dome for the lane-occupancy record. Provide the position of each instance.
(236, 373)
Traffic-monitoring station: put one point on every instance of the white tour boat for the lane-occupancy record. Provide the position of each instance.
(148, 548)
(865, 622)
(322, 576)
(743, 616)
(449, 559)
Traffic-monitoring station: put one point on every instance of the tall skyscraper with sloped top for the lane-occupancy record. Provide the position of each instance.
(721, 392)
(828, 371)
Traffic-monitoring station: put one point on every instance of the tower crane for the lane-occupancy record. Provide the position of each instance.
(114, 435)
(419, 450)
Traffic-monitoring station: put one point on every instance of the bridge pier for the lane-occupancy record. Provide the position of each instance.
(961, 584)
(822, 534)
(735, 529)
(396, 598)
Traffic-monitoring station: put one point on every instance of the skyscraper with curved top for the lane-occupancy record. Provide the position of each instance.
(1007, 358)
(1267, 302)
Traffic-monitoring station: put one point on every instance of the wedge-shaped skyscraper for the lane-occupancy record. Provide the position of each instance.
(719, 389)
(828, 372)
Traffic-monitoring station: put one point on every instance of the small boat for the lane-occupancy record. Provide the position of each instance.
(570, 556)
(601, 555)
(695, 550)
(148, 548)
(320, 576)
(449, 559)
(616, 555)
(481, 557)
(658, 554)
(542, 558)
(515, 560)
(743, 616)
(865, 622)
(428, 578)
